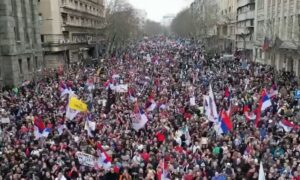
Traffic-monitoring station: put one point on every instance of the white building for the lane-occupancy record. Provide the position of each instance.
(167, 19)
(278, 21)
(245, 27)
(227, 24)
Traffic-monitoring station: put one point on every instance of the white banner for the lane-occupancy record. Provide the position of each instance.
(122, 88)
(5, 120)
(86, 159)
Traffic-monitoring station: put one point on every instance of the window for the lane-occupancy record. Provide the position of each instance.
(42, 38)
(260, 53)
(20, 66)
(251, 22)
(15, 14)
(260, 29)
(260, 4)
(36, 62)
(256, 53)
(28, 65)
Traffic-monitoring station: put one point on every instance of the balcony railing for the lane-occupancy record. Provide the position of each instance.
(82, 9)
(248, 44)
(242, 30)
(246, 15)
(242, 3)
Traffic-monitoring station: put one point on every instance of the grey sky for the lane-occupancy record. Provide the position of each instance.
(156, 9)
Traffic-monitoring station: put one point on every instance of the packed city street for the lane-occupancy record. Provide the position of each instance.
(161, 109)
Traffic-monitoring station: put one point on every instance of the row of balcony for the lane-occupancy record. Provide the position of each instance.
(91, 11)
(242, 3)
(245, 16)
(60, 39)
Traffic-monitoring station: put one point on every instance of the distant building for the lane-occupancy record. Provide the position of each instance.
(141, 15)
(71, 30)
(277, 34)
(167, 19)
(20, 46)
(227, 24)
(245, 27)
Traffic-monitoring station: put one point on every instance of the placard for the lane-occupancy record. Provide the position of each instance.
(86, 159)
(5, 120)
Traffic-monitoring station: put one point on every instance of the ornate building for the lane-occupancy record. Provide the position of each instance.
(277, 28)
(71, 30)
(20, 46)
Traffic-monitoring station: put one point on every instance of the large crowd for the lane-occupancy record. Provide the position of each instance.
(178, 140)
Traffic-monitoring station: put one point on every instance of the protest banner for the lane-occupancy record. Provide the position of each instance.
(86, 159)
(5, 120)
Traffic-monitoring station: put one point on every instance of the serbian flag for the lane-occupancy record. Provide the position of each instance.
(140, 118)
(64, 89)
(90, 127)
(265, 101)
(273, 91)
(226, 124)
(150, 104)
(107, 83)
(131, 95)
(248, 115)
(61, 128)
(38, 122)
(288, 125)
(104, 160)
(40, 130)
(163, 175)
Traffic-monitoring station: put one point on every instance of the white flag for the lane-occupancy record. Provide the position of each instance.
(193, 101)
(213, 114)
(261, 175)
(71, 114)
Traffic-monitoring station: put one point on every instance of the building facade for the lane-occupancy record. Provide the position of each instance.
(277, 27)
(20, 46)
(245, 28)
(167, 20)
(227, 24)
(71, 30)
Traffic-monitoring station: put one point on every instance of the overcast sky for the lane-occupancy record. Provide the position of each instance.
(156, 9)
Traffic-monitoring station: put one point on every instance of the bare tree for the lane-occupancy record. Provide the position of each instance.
(152, 28)
(205, 18)
(183, 25)
(121, 24)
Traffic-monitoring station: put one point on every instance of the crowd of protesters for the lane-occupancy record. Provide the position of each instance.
(170, 72)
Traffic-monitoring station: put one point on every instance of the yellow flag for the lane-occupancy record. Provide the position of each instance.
(99, 71)
(78, 105)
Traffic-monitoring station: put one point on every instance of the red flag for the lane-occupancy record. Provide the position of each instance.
(38, 122)
(227, 93)
(27, 152)
(258, 114)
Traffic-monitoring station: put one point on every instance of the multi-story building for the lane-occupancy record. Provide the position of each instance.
(20, 46)
(226, 24)
(167, 19)
(277, 26)
(245, 28)
(71, 30)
